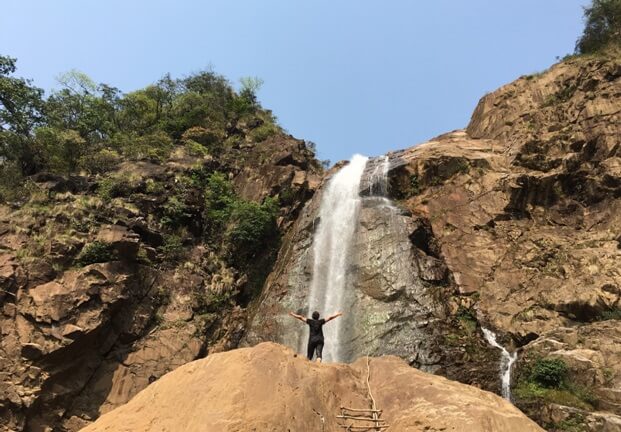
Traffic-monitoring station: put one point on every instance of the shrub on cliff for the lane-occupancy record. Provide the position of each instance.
(602, 28)
(252, 226)
(549, 373)
(219, 199)
(546, 379)
(95, 252)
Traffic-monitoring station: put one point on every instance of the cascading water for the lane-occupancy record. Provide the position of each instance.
(338, 214)
(352, 251)
(378, 178)
(506, 363)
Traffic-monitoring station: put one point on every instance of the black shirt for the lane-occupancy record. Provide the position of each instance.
(316, 333)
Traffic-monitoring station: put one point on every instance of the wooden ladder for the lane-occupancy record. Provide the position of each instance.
(362, 420)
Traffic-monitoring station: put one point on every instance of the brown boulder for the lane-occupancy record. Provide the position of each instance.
(125, 242)
(269, 388)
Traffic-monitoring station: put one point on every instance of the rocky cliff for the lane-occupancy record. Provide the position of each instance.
(512, 224)
(269, 388)
(109, 282)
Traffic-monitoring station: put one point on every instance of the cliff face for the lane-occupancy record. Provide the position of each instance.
(512, 224)
(524, 206)
(266, 388)
(108, 283)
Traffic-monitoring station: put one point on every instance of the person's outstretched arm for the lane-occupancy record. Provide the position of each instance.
(299, 317)
(336, 315)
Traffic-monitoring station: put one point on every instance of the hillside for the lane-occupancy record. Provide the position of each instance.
(269, 388)
(141, 258)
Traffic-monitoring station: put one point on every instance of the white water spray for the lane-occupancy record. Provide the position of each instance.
(506, 362)
(379, 178)
(338, 216)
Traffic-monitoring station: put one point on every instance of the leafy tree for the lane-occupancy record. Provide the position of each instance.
(100, 162)
(155, 146)
(20, 112)
(139, 112)
(96, 252)
(246, 102)
(88, 126)
(249, 88)
(148, 109)
(204, 101)
(62, 148)
(603, 26)
(83, 106)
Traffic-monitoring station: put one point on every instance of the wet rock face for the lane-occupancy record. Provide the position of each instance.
(392, 306)
(396, 279)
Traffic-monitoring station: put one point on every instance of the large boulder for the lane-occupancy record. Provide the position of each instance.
(270, 388)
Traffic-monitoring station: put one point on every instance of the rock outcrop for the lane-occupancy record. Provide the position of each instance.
(269, 388)
(109, 284)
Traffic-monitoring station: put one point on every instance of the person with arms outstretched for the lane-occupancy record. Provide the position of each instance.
(315, 335)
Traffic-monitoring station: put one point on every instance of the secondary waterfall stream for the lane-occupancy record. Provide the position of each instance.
(338, 213)
(506, 362)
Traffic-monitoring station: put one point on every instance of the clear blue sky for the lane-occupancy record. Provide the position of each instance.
(363, 76)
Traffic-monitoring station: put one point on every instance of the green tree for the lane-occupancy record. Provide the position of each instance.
(20, 112)
(602, 28)
(249, 88)
(63, 149)
(139, 112)
(83, 106)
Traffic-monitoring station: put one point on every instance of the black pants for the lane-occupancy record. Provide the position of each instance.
(315, 345)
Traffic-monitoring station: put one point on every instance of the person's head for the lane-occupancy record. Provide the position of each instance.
(315, 315)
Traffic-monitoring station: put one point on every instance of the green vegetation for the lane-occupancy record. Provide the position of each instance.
(602, 28)
(561, 96)
(549, 373)
(252, 226)
(546, 379)
(84, 126)
(111, 187)
(573, 424)
(172, 248)
(95, 252)
(248, 227)
(219, 200)
(612, 314)
(209, 302)
(175, 212)
(415, 187)
(467, 319)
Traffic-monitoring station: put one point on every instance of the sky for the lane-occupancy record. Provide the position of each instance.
(353, 76)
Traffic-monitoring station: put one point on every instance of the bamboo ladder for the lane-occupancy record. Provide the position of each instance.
(365, 419)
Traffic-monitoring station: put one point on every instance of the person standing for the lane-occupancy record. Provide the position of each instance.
(315, 335)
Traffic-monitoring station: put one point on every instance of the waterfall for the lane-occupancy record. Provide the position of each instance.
(378, 178)
(338, 215)
(506, 363)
